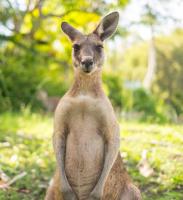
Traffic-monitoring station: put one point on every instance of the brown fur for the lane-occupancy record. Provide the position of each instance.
(86, 133)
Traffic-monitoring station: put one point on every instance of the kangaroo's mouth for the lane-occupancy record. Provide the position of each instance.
(87, 70)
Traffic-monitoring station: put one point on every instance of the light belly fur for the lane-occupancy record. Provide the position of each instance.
(84, 160)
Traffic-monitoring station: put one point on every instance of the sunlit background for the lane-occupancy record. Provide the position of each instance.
(142, 75)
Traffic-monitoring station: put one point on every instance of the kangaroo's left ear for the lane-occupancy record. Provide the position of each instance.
(70, 31)
(107, 26)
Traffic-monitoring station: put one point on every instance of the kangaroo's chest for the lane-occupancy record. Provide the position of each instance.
(84, 145)
(85, 115)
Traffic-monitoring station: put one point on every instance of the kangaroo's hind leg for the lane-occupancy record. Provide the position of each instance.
(53, 191)
(119, 185)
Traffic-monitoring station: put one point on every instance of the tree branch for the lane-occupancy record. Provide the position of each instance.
(65, 13)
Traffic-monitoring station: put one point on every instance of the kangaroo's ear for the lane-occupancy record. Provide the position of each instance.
(107, 26)
(70, 31)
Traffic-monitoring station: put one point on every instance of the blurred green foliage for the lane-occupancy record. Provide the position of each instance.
(169, 77)
(35, 55)
(168, 82)
(114, 88)
(148, 104)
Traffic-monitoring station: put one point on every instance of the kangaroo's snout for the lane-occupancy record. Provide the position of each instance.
(87, 64)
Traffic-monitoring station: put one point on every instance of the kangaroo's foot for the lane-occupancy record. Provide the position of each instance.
(53, 191)
(130, 192)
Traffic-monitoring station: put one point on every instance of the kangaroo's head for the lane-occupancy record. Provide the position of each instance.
(88, 54)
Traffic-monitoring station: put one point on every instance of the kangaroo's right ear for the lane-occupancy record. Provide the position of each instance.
(107, 26)
(70, 31)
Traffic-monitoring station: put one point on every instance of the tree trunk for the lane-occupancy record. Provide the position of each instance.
(151, 68)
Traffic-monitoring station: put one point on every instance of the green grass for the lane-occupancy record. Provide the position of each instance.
(26, 146)
(164, 145)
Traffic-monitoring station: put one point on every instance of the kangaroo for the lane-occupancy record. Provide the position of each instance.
(50, 103)
(86, 133)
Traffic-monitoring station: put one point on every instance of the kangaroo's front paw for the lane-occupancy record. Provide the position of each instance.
(69, 195)
(95, 196)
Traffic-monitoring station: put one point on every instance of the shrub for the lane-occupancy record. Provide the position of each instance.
(22, 75)
(114, 86)
(152, 108)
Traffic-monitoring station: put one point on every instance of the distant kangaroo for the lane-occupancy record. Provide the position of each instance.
(50, 103)
(86, 136)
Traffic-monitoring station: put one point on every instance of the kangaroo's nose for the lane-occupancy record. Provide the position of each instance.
(87, 63)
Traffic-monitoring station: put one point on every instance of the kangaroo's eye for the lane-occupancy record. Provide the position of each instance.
(99, 47)
(76, 47)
